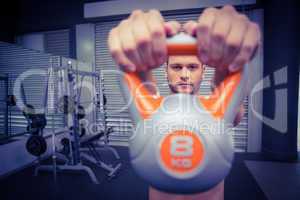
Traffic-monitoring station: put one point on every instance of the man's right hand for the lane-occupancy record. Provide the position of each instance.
(138, 43)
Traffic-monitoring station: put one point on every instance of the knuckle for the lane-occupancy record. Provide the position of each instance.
(157, 32)
(254, 26)
(112, 32)
(143, 41)
(203, 46)
(177, 25)
(129, 50)
(242, 17)
(218, 37)
(209, 10)
(247, 49)
(154, 15)
(233, 46)
(159, 53)
(174, 24)
(121, 64)
(203, 28)
(190, 23)
(154, 12)
(257, 32)
(114, 52)
(241, 61)
(136, 13)
(229, 8)
(203, 50)
(123, 23)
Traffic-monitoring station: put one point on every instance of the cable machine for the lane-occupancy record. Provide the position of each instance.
(76, 141)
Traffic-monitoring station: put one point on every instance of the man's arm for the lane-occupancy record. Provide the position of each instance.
(148, 78)
(220, 74)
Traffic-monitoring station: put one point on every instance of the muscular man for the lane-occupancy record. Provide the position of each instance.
(226, 40)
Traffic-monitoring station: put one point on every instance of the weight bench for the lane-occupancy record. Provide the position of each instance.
(66, 165)
(94, 156)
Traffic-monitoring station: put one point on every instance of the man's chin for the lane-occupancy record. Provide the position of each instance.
(185, 90)
(179, 89)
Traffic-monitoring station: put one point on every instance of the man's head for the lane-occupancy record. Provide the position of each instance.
(184, 74)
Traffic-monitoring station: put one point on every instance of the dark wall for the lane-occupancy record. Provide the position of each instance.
(9, 15)
(26, 16)
(40, 15)
(281, 48)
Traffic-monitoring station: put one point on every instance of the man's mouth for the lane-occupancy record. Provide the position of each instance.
(185, 84)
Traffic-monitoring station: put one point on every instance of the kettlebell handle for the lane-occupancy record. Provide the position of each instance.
(223, 103)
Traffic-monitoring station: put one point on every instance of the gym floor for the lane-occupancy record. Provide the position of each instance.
(239, 184)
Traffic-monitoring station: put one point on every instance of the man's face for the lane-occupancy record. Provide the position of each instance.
(184, 74)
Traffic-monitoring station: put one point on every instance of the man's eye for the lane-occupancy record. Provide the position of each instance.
(177, 67)
(192, 67)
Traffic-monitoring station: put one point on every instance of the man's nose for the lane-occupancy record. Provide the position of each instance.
(184, 75)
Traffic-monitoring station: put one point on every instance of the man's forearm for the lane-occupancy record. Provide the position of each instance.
(149, 80)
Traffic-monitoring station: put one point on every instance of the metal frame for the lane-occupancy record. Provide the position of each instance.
(4, 77)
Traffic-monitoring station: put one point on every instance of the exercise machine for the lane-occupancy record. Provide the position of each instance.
(72, 162)
(77, 140)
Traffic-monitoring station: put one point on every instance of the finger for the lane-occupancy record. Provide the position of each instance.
(249, 45)
(116, 51)
(229, 8)
(128, 44)
(190, 27)
(205, 24)
(234, 39)
(172, 27)
(219, 34)
(142, 39)
(156, 27)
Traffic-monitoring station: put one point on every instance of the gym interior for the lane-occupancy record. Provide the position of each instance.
(65, 126)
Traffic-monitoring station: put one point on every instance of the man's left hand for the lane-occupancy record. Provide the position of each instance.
(226, 39)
